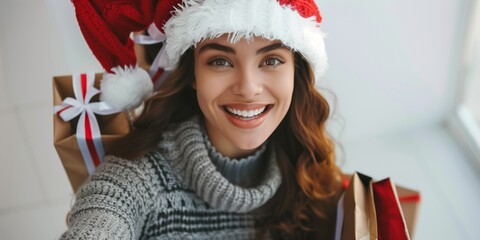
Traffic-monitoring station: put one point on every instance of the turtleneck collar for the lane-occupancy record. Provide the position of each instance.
(187, 151)
(239, 171)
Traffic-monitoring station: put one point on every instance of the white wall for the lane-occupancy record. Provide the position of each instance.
(76, 54)
(393, 64)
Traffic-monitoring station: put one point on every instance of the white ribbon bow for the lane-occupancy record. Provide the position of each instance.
(88, 132)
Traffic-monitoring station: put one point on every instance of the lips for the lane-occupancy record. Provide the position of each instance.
(246, 115)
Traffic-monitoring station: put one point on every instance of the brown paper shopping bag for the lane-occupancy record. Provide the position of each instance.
(359, 218)
(410, 204)
(112, 128)
(357, 213)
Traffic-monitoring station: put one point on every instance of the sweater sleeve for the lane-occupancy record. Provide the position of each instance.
(111, 204)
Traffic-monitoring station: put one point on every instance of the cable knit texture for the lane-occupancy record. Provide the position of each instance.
(174, 192)
(242, 172)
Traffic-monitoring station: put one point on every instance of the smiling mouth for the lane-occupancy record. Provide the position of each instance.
(246, 115)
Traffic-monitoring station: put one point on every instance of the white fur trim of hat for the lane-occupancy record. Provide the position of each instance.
(196, 20)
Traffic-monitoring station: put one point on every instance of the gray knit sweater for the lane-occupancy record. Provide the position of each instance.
(182, 190)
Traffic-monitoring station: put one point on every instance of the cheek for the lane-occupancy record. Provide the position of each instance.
(209, 88)
(206, 89)
(283, 87)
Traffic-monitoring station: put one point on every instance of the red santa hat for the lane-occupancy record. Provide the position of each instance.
(107, 28)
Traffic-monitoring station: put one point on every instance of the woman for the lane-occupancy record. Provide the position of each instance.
(233, 143)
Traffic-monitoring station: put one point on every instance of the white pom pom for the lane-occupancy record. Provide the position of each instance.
(126, 88)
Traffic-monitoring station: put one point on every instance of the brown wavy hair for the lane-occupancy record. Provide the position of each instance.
(304, 205)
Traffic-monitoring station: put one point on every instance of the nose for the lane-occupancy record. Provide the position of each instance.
(248, 83)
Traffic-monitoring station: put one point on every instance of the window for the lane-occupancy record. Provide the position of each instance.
(466, 120)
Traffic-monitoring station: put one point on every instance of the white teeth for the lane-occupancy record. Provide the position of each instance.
(245, 113)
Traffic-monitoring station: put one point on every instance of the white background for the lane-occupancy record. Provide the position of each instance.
(393, 69)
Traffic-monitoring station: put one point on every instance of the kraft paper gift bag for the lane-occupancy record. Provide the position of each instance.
(358, 210)
(91, 127)
(410, 203)
(358, 214)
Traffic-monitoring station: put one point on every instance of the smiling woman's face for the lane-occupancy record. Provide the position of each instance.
(244, 90)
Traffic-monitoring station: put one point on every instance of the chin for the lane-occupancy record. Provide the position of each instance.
(249, 143)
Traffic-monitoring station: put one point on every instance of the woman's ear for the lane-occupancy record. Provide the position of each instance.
(194, 85)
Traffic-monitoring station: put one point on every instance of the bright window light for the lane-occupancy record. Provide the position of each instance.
(466, 121)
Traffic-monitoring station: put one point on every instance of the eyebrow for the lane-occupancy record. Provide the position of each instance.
(272, 47)
(216, 46)
(223, 48)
